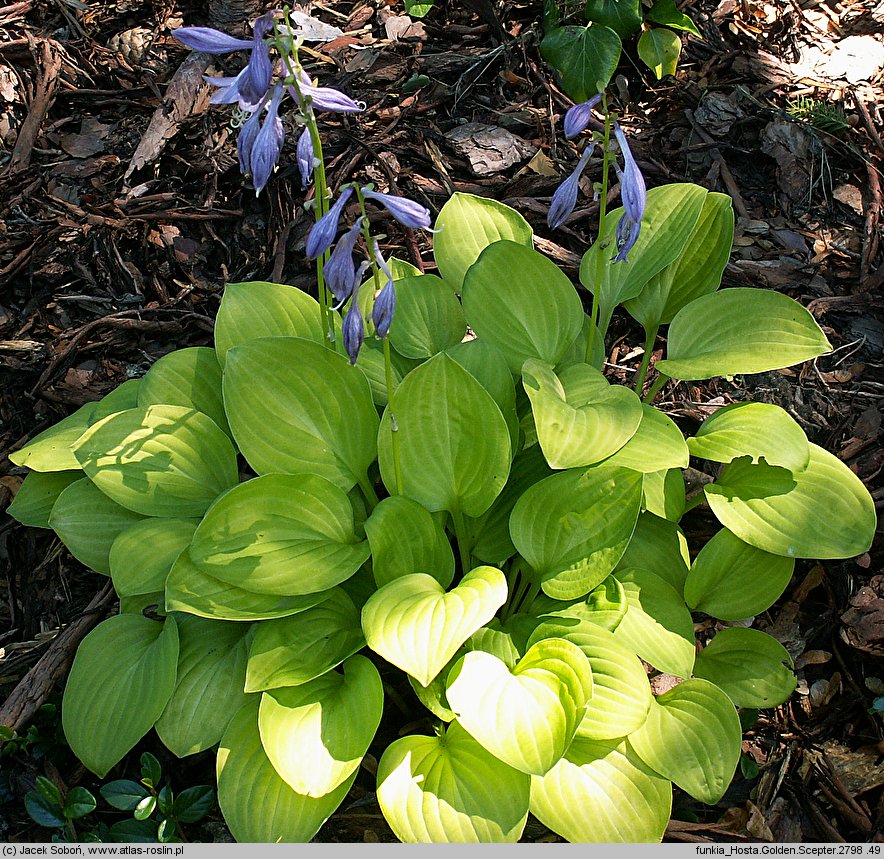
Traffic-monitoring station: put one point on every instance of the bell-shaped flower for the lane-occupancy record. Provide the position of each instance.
(321, 97)
(565, 198)
(385, 300)
(323, 232)
(304, 155)
(407, 212)
(340, 270)
(353, 328)
(246, 140)
(210, 41)
(627, 235)
(268, 143)
(577, 118)
(632, 184)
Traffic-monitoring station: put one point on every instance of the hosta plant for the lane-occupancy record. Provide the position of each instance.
(484, 521)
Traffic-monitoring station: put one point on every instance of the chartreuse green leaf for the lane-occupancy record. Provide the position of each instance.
(284, 534)
(414, 624)
(190, 590)
(584, 56)
(624, 17)
(751, 667)
(461, 469)
(824, 511)
(740, 330)
(88, 522)
(522, 303)
(296, 649)
(659, 50)
(257, 804)
(142, 556)
(602, 793)
(371, 363)
(732, 580)
(579, 417)
(50, 450)
(663, 493)
(491, 540)
(466, 225)
(671, 214)
(426, 550)
(696, 272)
(605, 605)
(257, 309)
(295, 406)
(122, 397)
(759, 430)
(37, 495)
(186, 377)
(621, 694)
(525, 716)
(433, 696)
(692, 736)
(428, 317)
(657, 625)
(573, 527)
(448, 789)
(658, 545)
(159, 460)
(657, 445)
(667, 13)
(209, 687)
(316, 734)
(122, 676)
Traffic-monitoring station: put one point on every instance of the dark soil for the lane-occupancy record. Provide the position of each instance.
(107, 263)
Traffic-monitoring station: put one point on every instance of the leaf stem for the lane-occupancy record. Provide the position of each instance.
(650, 339)
(394, 426)
(463, 541)
(368, 491)
(655, 389)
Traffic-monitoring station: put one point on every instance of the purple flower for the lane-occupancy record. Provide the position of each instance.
(304, 155)
(268, 143)
(577, 118)
(210, 41)
(627, 235)
(565, 198)
(353, 329)
(246, 140)
(407, 212)
(632, 184)
(323, 232)
(322, 97)
(385, 300)
(340, 270)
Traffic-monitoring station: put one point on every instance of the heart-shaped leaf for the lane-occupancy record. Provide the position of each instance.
(161, 460)
(621, 694)
(186, 377)
(754, 429)
(136, 571)
(584, 56)
(525, 716)
(656, 446)
(663, 493)
(659, 545)
(88, 522)
(449, 789)
(257, 804)
(37, 495)
(732, 580)
(624, 17)
(284, 534)
(296, 649)
(316, 734)
(426, 550)
(573, 527)
(50, 450)
(824, 511)
(209, 687)
(296, 407)
(461, 469)
(190, 590)
(602, 793)
(751, 667)
(414, 624)
(657, 625)
(257, 309)
(466, 225)
(692, 736)
(121, 678)
(740, 330)
(667, 13)
(428, 317)
(605, 606)
(522, 303)
(580, 419)
(659, 50)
